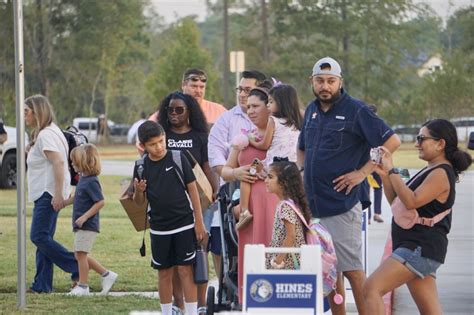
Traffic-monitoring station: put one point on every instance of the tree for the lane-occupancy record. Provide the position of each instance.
(87, 56)
(7, 63)
(448, 91)
(181, 51)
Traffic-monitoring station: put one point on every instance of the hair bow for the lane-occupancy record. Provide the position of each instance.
(280, 159)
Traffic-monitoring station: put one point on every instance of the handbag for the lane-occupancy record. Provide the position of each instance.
(407, 218)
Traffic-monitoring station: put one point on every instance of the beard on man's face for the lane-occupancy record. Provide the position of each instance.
(327, 99)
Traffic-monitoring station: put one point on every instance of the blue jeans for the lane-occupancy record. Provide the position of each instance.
(48, 251)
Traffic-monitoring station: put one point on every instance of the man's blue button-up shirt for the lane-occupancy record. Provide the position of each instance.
(337, 142)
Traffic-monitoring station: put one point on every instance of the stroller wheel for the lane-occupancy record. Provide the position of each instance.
(211, 294)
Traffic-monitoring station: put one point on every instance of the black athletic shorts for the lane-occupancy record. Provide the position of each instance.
(168, 250)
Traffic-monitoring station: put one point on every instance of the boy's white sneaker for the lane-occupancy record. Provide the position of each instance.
(79, 291)
(108, 282)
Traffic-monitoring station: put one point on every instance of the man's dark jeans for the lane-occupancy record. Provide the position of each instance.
(48, 252)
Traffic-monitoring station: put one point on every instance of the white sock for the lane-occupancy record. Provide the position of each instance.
(191, 308)
(166, 308)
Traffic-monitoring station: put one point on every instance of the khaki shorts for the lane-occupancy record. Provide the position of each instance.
(346, 233)
(83, 240)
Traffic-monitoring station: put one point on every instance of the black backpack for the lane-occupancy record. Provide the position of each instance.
(74, 139)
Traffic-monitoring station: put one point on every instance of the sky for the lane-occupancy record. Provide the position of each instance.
(171, 9)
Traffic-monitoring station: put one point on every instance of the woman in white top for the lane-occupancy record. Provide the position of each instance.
(48, 187)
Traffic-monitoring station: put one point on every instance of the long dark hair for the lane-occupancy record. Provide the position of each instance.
(288, 104)
(197, 120)
(443, 129)
(289, 178)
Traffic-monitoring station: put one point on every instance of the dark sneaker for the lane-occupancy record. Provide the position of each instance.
(378, 218)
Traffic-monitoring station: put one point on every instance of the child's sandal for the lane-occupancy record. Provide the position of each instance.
(245, 218)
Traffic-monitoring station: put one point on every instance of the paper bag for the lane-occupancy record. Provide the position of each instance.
(136, 213)
(203, 185)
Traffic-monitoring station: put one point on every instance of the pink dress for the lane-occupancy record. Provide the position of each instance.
(259, 231)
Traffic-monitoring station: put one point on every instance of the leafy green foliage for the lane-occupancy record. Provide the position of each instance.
(110, 57)
(181, 50)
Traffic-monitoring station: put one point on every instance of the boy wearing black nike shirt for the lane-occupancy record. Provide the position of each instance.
(174, 226)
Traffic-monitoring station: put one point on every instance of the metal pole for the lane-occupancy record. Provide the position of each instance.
(20, 157)
(226, 55)
(237, 77)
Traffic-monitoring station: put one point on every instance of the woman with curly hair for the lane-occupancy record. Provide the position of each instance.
(187, 130)
(284, 180)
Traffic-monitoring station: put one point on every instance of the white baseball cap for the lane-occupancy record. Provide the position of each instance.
(327, 65)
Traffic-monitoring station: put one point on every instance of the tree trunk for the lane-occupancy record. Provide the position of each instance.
(265, 40)
(345, 44)
(226, 53)
(42, 47)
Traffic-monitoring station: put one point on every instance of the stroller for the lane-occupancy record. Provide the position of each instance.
(227, 294)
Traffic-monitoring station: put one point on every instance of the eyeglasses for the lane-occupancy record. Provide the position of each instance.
(240, 89)
(421, 138)
(178, 110)
(196, 77)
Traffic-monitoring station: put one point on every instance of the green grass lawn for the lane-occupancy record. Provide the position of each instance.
(118, 152)
(61, 304)
(116, 247)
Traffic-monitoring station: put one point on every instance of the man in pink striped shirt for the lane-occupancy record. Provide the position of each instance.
(231, 123)
(194, 84)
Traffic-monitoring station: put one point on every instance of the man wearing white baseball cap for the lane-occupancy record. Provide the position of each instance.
(333, 151)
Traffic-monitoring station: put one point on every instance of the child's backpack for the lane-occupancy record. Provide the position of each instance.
(316, 234)
(74, 139)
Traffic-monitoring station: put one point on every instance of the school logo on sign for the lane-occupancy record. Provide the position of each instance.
(261, 290)
(281, 290)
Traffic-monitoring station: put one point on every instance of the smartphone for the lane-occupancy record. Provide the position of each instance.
(376, 155)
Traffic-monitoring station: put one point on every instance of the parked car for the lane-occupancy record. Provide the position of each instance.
(8, 159)
(88, 126)
(464, 126)
(407, 133)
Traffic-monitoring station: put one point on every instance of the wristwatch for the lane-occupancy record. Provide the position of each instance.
(393, 171)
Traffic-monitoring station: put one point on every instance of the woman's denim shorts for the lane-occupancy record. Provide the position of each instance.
(412, 259)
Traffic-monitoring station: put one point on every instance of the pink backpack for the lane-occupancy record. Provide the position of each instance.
(407, 218)
(316, 234)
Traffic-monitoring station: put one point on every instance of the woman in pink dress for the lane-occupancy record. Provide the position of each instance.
(262, 203)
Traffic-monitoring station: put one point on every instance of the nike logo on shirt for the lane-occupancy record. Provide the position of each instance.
(168, 168)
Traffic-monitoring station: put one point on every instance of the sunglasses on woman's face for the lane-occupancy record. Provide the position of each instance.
(178, 110)
(421, 138)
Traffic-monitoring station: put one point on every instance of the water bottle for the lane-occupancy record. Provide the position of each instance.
(200, 267)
